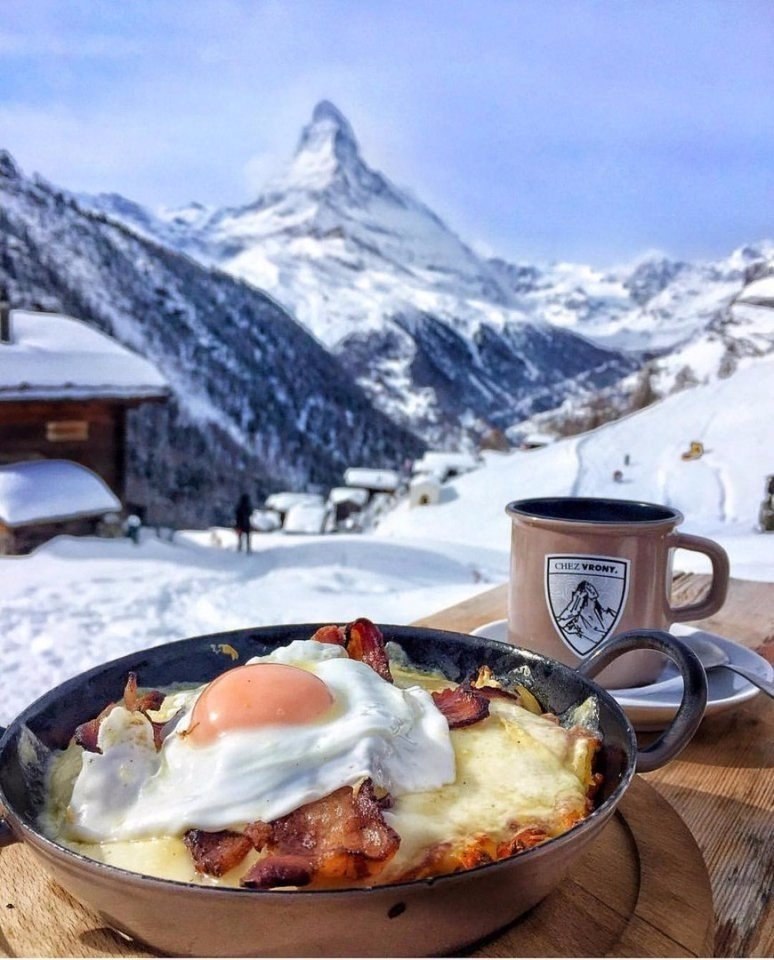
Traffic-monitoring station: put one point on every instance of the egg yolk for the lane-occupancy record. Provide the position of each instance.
(257, 695)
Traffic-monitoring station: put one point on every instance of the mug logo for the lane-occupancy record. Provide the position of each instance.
(586, 597)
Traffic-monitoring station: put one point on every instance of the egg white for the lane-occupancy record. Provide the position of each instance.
(395, 736)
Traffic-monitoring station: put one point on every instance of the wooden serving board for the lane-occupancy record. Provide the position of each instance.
(641, 890)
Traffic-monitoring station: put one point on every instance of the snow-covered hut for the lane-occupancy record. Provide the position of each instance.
(346, 501)
(65, 389)
(40, 499)
(265, 521)
(424, 490)
(309, 518)
(535, 441)
(285, 500)
(374, 481)
(445, 464)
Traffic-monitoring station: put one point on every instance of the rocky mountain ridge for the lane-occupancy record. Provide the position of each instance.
(258, 404)
(446, 342)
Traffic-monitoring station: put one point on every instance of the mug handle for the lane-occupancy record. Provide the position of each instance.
(691, 709)
(716, 595)
(7, 837)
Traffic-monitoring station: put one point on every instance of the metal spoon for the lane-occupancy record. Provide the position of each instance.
(711, 656)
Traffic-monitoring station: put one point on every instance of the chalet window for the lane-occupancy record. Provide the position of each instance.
(62, 431)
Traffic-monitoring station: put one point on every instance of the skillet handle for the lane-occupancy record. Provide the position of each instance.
(691, 709)
(6, 834)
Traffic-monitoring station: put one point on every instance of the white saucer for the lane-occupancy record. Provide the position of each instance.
(654, 710)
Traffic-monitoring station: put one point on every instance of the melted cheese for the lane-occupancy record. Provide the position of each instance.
(515, 769)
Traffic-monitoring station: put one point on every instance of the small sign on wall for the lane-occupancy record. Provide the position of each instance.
(61, 431)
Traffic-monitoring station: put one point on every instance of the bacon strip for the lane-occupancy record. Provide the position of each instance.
(330, 634)
(151, 700)
(343, 835)
(217, 853)
(461, 706)
(288, 870)
(365, 642)
(87, 734)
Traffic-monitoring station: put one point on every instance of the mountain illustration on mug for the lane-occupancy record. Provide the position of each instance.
(584, 616)
(586, 597)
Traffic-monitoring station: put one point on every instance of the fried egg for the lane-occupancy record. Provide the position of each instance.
(257, 743)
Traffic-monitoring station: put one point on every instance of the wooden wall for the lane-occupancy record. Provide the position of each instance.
(26, 433)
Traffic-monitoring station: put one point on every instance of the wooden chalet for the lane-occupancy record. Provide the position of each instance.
(65, 389)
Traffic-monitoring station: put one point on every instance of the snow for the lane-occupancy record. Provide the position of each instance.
(355, 495)
(305, 518)
(44, 490)
(443, 463)
(78, 602)
(52, 355)
(758, 292)
(286, 500)
(386, 480)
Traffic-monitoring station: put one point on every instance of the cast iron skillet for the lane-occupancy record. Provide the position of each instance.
(439, 915)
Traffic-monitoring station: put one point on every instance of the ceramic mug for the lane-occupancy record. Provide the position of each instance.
(584, 569)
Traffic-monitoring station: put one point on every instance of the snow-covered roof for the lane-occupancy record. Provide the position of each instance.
(538, 439)
(357, 495)
(387, 480)
(440, 462)
(54, 356)
(37, 491)
(283, 501)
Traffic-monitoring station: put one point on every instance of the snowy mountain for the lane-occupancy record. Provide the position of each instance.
(443, 340)
(258, 404)
(434, 333)
(720, 493)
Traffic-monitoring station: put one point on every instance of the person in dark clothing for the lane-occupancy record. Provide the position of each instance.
(242, 524)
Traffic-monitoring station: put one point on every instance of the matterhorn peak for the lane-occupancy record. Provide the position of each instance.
(328, 160)
(328, 137)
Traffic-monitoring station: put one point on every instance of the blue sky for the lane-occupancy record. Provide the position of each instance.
(590, 130)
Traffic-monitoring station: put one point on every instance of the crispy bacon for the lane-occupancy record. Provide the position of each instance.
(330, 634)
(87, 734)
(343, 835)
(365, 642)
(217, 853)
(151, 700)
(461, 705)
(523, 839)
(285, 870)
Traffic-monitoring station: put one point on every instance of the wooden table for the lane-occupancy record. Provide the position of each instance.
(722, 785)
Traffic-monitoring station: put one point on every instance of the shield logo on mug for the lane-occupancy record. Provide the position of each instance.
(586, 597)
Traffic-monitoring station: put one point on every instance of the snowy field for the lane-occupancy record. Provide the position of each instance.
(77, 602)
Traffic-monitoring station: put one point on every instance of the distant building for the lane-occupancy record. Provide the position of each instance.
(446, 465)
(347, 502)
(424, 491)
(309, 518)
(375, 481)
(65, 389)
(41, 499)
(535, 441)
(281, 503)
